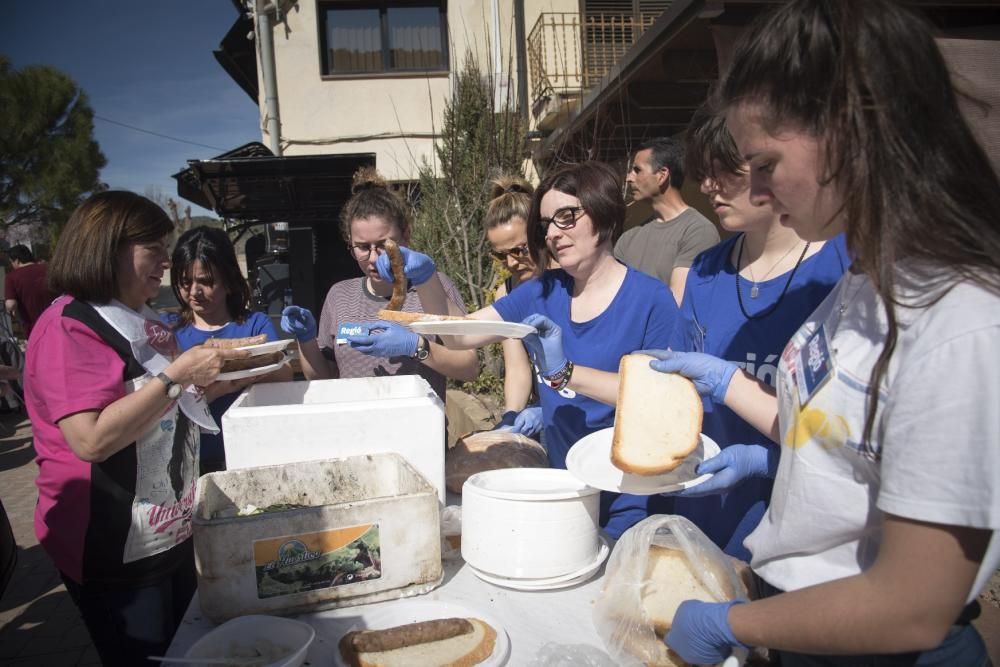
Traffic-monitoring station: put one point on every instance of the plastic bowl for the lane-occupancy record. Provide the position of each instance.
(529, 523)
(245, 635)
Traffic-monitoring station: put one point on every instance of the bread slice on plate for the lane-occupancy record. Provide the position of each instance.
(657, 418)
(406, 317)
(465, 650)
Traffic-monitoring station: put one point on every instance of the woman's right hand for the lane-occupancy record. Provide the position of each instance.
(711, 375)
(200, 365)
(299, 322)
(417, 267)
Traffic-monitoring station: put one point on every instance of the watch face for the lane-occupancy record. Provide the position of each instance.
(174, 391)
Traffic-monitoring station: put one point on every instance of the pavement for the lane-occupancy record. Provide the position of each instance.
(40, 625)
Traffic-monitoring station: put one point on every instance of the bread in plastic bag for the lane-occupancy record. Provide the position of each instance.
(657, 564)
(490, 450)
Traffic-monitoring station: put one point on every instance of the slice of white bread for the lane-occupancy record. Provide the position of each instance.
(669, 581)
(657, 418)
(461, 651)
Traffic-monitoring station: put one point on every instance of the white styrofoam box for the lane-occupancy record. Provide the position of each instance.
(288, 422)
(332, 533)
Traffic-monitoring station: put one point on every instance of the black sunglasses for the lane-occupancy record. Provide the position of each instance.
(563, 218)
(517, 252)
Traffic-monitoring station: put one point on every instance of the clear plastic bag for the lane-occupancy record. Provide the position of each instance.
(621, 613)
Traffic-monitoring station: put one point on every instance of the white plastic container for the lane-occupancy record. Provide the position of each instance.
(529, 523)
(333, 533)
(257, 635)
(287, 422)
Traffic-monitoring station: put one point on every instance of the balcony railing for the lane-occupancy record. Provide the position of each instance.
(570, 53)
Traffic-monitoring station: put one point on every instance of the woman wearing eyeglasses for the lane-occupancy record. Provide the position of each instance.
(506, 224)
(350, 341)
(589, 312)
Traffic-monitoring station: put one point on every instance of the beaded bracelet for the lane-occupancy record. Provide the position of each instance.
(561, 377)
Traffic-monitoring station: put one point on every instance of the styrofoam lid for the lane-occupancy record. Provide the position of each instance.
(528, 484)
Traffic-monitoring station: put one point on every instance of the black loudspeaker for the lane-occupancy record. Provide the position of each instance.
(302, 260)
(273, 289)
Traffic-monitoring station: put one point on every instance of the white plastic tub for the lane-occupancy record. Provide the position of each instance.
(287, 422)
(529, 523)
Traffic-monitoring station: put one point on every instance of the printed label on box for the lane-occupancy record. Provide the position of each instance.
(350, 329)
(313, 561)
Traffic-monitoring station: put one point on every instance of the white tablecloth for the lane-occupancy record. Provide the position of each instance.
(531, 619)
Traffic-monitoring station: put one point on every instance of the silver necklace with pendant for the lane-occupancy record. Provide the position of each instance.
(754, 289)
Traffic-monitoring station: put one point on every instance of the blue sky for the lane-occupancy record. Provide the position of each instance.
(145, 63)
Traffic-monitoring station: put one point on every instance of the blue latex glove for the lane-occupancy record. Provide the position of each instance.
(394, 340)
(545, 347)
(417, 267)
(529, 421)
(506, 422)
(526, 422)
(732, 466)
(711, 375)
(700, 632)
(299, 322)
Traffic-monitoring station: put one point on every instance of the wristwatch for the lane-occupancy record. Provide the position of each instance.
(173, 389)
(423, 349)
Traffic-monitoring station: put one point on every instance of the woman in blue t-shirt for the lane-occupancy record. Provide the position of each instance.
(215, 303)
(589, 312)
(743, 300)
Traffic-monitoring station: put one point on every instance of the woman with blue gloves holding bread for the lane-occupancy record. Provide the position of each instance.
(350, 340)
(884, 518)
(587, 313)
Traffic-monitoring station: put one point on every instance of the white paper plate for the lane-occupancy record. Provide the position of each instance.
(267, 348)
(549, 583)
(251, 372)
(590, 461)
(414, 611)
(473, 328)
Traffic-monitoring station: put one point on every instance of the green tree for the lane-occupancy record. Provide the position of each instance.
(49, 159)
(477, 142)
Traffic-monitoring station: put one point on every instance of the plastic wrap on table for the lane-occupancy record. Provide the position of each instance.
(571, 655)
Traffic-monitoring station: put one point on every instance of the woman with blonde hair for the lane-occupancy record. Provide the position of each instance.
(506, 224)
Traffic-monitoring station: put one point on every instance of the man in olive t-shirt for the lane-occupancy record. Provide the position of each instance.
(664, 246)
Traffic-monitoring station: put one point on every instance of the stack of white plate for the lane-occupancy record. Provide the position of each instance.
(531, 528)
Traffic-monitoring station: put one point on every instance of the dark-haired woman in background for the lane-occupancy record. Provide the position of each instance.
(743, 300)
(215, 303)
(883, 524)
(336, 349)
(115, 429)
(589, 312)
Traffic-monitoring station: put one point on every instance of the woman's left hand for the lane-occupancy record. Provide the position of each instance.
(700, 632)
(394, 340)
(545, 347)
(417, 267)
(731, 467)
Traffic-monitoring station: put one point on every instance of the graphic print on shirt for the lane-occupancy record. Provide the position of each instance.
(166, 473)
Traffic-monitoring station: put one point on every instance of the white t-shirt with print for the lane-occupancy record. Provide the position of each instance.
(935, 451)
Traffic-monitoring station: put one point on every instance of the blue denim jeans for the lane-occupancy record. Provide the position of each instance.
(962, 647)
(129, 624)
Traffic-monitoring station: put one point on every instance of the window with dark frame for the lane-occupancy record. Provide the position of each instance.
(377, 37)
